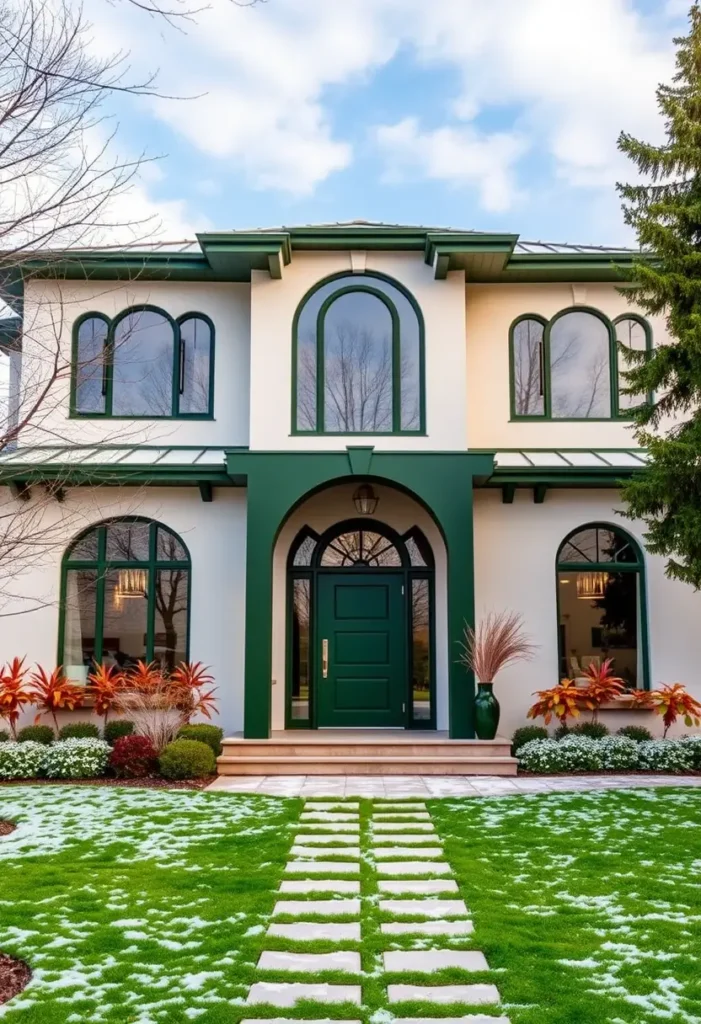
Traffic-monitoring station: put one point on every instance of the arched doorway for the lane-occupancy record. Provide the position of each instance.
(360, 628)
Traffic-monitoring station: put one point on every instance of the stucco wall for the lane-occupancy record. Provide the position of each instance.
(491, 309)
(515, 551)
(273, 305)
(215, 534)
(320, 512)
(50, 311)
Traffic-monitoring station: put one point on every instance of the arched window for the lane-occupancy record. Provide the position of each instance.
(570, 366)
(360, 546)
(358, 359)
(632, 332)
(143, 364)
(601, 603)
(125, 596)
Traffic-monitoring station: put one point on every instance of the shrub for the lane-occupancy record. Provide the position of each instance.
(693, 743)
(21, 760)
(38, 733)
(119, 727)
(542, 756)
(186, 759)
(4, 736)
(581, 753)
(525, 734)
(133, 757)
(76, 758)
(635, 732)
(594, 730)
(79, 731)
(562, 731)
(618, 753)
(210, 734)
(665, 756)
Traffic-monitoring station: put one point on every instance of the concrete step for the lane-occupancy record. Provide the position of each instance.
(381, 747)
(438, 763)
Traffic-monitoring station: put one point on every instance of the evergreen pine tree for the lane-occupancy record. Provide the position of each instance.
(666, 280)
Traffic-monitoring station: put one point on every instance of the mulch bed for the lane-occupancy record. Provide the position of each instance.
(14, 976)
(6, 827)
(150, 782)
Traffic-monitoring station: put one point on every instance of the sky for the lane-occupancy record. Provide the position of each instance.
(496, 115)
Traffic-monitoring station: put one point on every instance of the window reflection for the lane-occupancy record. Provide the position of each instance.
(420, 651)
(142, 371)
(527, 355)
(580, 367)
(631, 334)
(301, 589)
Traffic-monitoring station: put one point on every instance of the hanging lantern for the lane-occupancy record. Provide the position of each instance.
(591, 586)
(131, 583)
(365, 500)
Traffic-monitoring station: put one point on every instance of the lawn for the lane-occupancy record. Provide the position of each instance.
(149, 906)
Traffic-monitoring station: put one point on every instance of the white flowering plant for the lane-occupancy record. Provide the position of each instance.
(693, 743)
(21, 760)
(612, 753)
(76, 759)
(618, 753)
(542, 756)
(665, 756)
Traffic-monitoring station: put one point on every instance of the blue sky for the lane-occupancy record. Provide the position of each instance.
(488, 114)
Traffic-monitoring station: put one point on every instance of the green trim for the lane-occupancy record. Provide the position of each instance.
(547, 416)
(102, 565)
(636, 567)
(356, 285)
(112, 324)
(645, 324)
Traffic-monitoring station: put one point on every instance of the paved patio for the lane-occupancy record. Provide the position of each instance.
(436, 785)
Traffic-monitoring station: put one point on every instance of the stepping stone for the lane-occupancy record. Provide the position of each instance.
(427, 928)
(330, 805)
(422, 908)
(312, 851)
(471, 1019)
(343, 960)
(309, 931)
(321, 867)
(473, 995)
(405, 816)
(419, 888)
(402, 837)
(434, 960)
(328, 816)
(289, 993)
(410, 826)
(397, 868)
(320, 1020)
(340, 885)
(338, 829)
(327, 839)
(408, 806)
(427, 852)
(318, 908)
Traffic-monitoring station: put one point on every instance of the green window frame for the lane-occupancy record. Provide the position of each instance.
(633, 563)
(102, 565)
(179, 360)
(304, 562)
(363, 284)
(545, 368)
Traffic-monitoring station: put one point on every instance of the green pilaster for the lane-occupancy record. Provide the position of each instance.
(278, 481)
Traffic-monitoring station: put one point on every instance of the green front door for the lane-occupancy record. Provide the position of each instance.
(361, 634)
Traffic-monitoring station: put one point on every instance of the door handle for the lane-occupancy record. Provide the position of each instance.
(324, 659)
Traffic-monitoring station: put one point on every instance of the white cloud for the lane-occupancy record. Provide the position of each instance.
(458, 156)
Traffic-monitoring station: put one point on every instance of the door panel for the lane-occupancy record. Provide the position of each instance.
(363, 620)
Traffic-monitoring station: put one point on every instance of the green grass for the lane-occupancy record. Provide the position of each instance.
(146, 906)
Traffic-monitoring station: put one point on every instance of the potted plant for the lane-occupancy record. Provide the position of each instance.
(497, 641)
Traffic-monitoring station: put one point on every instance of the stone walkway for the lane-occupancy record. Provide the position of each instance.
(412, 889)
(401, 786)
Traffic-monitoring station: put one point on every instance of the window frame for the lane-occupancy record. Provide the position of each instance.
(614, 384)
(638, 567)
(108, 365)
(102, 565)
(357, 284)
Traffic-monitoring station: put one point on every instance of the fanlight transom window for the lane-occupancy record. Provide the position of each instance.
(359, 546)
(358, 351)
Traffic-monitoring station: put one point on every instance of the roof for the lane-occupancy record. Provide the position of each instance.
(233, 255)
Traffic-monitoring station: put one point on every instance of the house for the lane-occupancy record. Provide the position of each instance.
(308, 456)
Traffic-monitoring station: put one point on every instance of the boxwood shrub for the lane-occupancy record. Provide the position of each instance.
(4, 736)
(186, 759)
(76, 758)
(525, 734)
(117, 728)
(212, 735)
(79, 731)
(635, 732)
(39, 733)
(21, 760)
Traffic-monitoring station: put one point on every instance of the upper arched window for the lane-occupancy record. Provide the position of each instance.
(571, 366)
(125, 596)
(358, 359)
(143, 364)
(601, 603)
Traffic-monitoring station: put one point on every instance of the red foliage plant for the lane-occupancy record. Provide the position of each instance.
(13, 692)
(106, 683)
(671, 701)
(562, 702)
(602, 684)
(52, 693)
(133, 757)
(188, 681)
